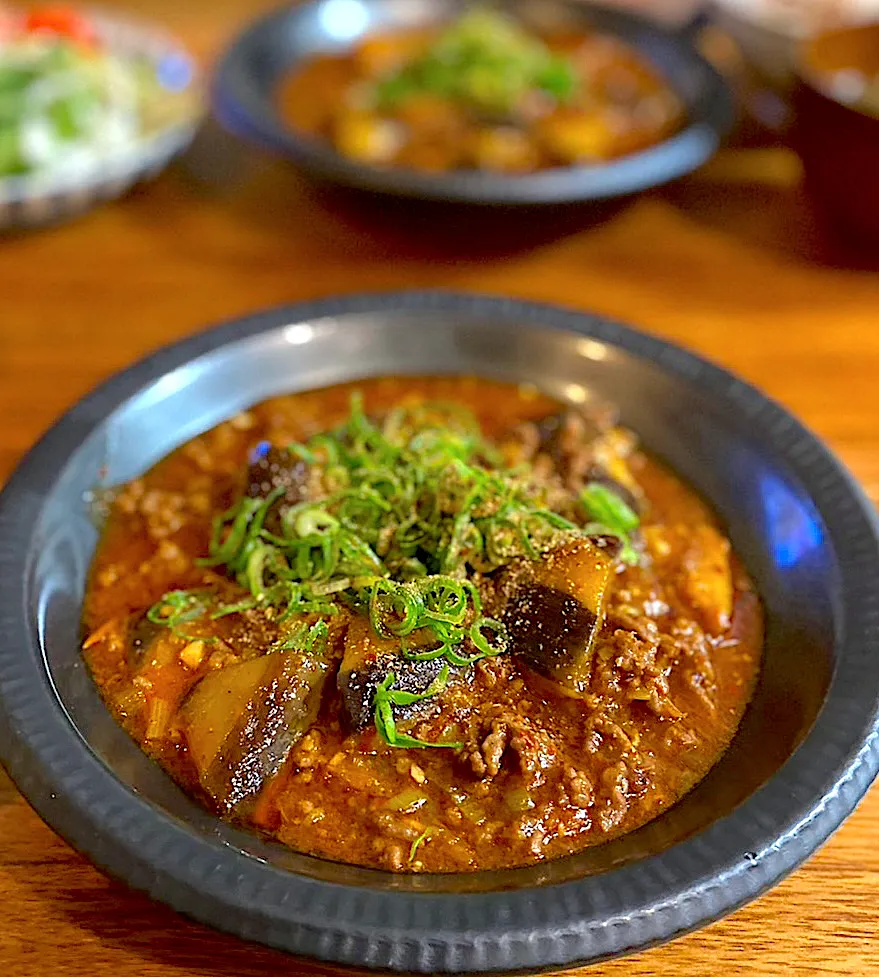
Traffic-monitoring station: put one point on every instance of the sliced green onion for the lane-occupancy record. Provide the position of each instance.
(246, 604)
(394, 609)
(306, 639)
(384, 715)
(482, 643)
(419, 841)
(398, 697)
(605, 506)
(411, 511)
(178, 607)
(315, 522)
(444, 599)
(612, 517)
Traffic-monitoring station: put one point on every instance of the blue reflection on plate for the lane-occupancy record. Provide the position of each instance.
(792, 530)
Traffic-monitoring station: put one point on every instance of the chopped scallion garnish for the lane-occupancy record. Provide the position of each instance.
(611, 516)
(419, 841)
(386, 696)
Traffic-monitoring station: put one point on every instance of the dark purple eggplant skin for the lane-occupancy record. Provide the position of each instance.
(358, 685)
(272, 468)
(548, 628)
(283, 710)
(555, 429)
(612, 545)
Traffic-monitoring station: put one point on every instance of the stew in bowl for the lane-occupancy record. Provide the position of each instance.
(484, 93)
(538, 103)
(427, 624)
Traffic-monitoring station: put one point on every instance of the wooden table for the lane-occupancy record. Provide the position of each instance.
(728, 262)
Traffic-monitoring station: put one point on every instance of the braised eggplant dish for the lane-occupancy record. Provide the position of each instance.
(483, 93)
(422, 624)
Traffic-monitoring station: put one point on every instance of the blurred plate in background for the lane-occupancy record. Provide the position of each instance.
(170, 117)
(245, 88)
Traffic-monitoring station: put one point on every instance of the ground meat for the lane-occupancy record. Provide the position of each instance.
(579, 787)
(306, 753)
(658, 702)
(510, 733)
(533, 832)
(567, 439)
(494, 671)
(535, 751)
(165, 512)
(393, 826)
(706, 691)
(612, 732)
(129, 497)
(636, 664)
(527, 440)
(565, 436)
(559, 447)
(625, 616)
(679, 735)
(615, 782)
(632, 652)
(689, 644)
(487, 758)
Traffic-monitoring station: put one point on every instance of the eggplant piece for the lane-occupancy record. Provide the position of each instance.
(151, 646)
(556, 609)
(240, 722)
(273, 468)
(566, 436)
(367, 660)
(611, 545)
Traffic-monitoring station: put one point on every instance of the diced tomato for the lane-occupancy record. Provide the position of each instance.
(10, 24)
(63, 21)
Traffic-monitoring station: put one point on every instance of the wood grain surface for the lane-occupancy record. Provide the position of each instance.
(729, 262)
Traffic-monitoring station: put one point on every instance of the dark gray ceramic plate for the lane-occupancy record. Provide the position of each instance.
(805, 754)
(248, 75)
